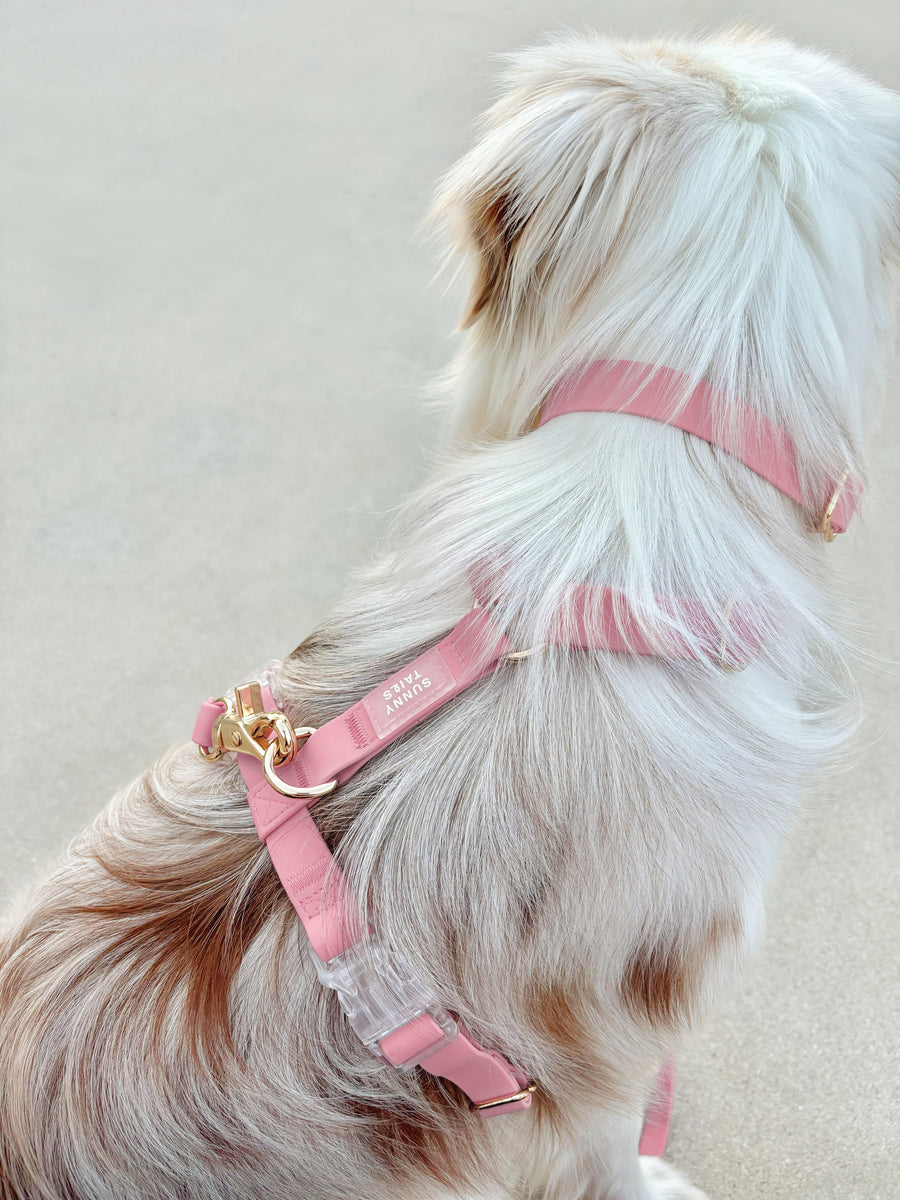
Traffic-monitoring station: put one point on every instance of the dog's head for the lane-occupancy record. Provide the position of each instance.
(727, 207)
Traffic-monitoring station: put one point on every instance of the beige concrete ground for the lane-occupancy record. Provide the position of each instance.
(217, 322)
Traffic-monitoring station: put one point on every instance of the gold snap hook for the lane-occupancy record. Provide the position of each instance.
(246, 728)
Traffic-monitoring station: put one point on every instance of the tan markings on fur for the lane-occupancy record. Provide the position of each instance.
(187, 922)
(708, 70)
(565, 1015)
(660, 980)
(409, 1145)
(494, 229)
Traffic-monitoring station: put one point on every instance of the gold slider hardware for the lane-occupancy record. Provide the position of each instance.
(516, 1096)
(246, 728)
(513, 655)
(517, 655)
(827, 532)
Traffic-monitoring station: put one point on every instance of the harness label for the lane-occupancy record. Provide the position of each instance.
(403, 699)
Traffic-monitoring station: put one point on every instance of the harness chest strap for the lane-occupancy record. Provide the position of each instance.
(313, 881)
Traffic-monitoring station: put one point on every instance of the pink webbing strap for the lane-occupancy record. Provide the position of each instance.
(642, 390)
(484, 1075)
(299, 853)
(655, 1133)
(339, 748)
(600, 618)
(316, 888)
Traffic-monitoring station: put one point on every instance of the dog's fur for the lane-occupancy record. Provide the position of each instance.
(573, 853)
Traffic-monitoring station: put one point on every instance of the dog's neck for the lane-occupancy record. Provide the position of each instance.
(623, 503)
(505, 370)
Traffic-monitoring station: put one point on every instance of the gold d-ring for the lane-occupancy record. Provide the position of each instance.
(825, 527)
(288, 789)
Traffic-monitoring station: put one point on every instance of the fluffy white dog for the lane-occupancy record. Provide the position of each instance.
(572, 854)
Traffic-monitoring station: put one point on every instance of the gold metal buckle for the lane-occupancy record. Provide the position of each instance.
(246, 728)
(516, 1096)
(827, 532)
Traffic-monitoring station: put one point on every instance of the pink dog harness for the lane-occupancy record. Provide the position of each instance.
(286, 770)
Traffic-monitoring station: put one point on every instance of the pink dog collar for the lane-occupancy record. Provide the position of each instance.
(642, 390)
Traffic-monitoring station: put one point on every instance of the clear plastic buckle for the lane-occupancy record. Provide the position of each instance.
(380, 995)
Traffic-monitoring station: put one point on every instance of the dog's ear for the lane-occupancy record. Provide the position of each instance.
(485, 218)
(492, 228)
